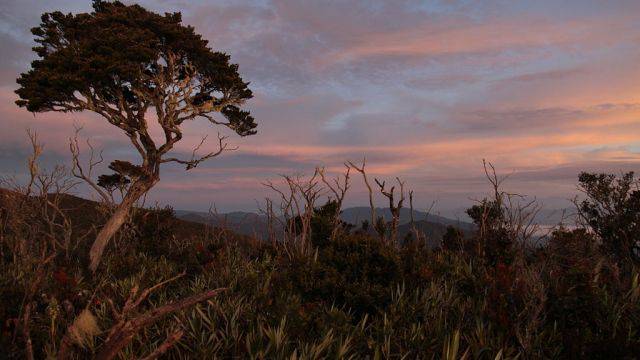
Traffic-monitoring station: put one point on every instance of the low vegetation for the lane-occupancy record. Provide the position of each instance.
(320, 288)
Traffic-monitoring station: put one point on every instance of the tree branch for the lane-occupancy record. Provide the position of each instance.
(77, 169)
(196, 160)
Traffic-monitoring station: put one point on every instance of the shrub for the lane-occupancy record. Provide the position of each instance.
(612, 210)
(353, 295)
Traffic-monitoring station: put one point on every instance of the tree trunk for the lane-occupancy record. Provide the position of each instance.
(116, 221)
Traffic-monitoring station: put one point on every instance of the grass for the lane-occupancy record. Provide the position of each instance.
(349, 296)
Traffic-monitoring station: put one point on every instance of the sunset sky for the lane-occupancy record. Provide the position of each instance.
(424, 89)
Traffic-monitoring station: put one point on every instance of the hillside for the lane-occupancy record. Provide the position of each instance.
(189, 224)
(304, 297)
(86, 214)
(252, 224)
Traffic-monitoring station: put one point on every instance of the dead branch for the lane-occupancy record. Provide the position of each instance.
(411, 219)
(362, 171)
(195, 160)
(126, 327)
(517, 214)
(286, 209)
(496, 182)
(298, 206)
(271, 219)
(308, 192)
(339, 189)
(286, 217)
(426, 217)
(32, 161)
(94, 160)
(394, 207)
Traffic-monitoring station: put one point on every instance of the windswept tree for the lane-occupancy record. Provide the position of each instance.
(132, 66)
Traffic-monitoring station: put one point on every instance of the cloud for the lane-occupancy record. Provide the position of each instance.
(423, 90)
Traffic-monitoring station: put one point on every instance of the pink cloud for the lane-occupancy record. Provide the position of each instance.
(463, 36)
(425, 94)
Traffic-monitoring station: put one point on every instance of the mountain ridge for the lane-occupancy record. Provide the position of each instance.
(254, 224)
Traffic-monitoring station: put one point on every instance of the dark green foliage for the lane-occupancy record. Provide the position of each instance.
(380, 226)
(115, 52)
(126, 169)
(488, 213)
(453, 239)
(582, 283)
(362, 268)
(323, 224)
(353, 296)
(498, 247)
(612, 211)
(364, 226)
(492, 241)
(113, 181)
(156, 227)
(351, 271)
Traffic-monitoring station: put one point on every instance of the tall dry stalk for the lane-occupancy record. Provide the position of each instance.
(361, 169)
(297, 207)
(338, 188)
(394, 207)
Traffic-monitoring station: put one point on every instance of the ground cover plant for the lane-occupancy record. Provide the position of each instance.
(321, 288)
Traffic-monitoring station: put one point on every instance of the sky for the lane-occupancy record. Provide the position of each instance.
(423, 89)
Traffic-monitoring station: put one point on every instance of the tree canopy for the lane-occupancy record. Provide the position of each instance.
(120, 60)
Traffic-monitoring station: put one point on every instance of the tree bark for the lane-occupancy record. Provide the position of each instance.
(116, 221)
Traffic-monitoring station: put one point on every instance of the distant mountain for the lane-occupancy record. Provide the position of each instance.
(245, 223)
(249, 223)
(433, 232)
(356, 215)
(555, 216)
